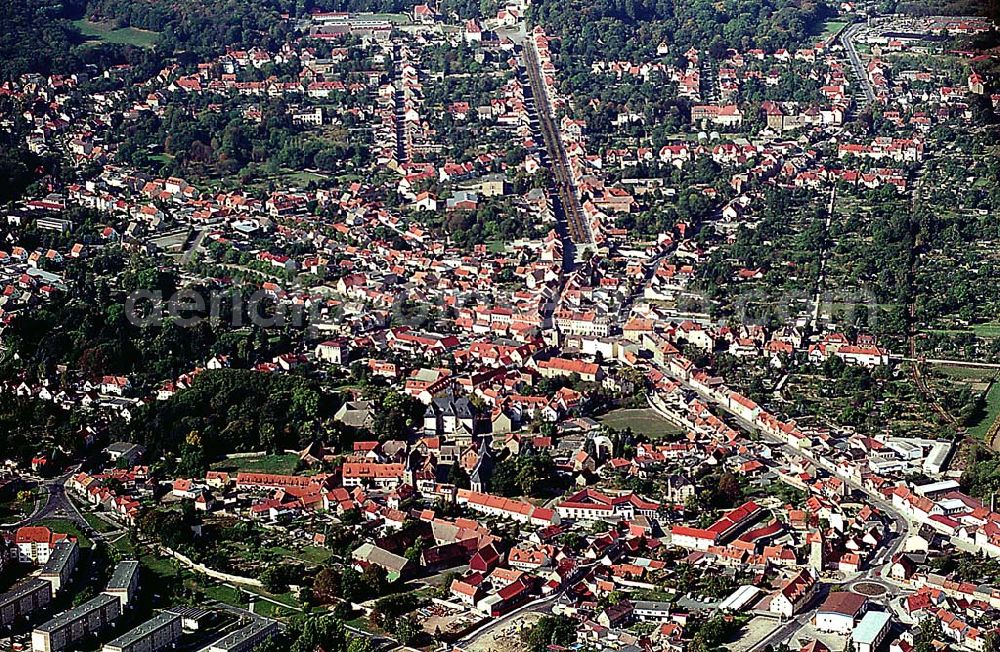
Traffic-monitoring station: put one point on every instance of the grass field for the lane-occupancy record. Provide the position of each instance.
(15, 509)
(123, 544)
(987, 330)
(168, 572)
(300, 177)
(99, 524)
(395, 19)
(496, 246)
(108, 33)
(964, 373)
(271, 610)
(642, 421)
(309, 554)
(63, 526)
(991, 415)
(280, 464)
(832, 27)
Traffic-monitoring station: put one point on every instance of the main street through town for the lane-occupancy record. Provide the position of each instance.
(847, 39)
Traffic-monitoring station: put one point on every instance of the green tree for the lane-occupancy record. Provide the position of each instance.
(325, 633)
(458, 476)
(193, 462)
(414, 552)
(928, 632)
(549, 630)
(326, 586)
(352, 586)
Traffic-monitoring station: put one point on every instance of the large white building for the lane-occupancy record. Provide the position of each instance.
(582, 323)
(793, 595)
(840, 612)
(35, 544)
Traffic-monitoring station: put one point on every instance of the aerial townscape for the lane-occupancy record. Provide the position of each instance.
(499, 325)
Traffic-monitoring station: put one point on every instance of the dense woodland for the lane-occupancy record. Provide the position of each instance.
(590, 31)
(232, 410)
(40, 36)
(37, 37)
(223, 143)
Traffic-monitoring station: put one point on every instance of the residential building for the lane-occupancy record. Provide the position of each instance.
(794, 594)
(24, 600)
(247, 637)
(654, 611)
(158, 633)
(507, 508)
(35, 543)
(382, 476)
(124, 582)
(333, 351)
(61, 564)
(90, 618)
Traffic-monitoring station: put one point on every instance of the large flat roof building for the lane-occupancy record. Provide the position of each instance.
(91, 617)
(24, 599)
(156, 634)
(61, 564)
(871, 631)
(248, 637)
(124, 582)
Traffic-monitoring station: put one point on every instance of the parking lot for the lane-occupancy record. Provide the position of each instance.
(506, 639)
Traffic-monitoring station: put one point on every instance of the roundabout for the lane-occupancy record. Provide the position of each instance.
(870, 588)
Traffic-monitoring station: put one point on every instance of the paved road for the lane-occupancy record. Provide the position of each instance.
(576, 223)
(195, 246)
(56, 504)
(784, 632)
(820, 282)
(847, 38)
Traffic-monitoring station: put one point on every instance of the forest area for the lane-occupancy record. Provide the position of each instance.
(40, 37)
(626, 29)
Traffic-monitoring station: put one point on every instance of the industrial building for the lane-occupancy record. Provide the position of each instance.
(155, 634)
(67, 628)
(23, 600)
(740, 599)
